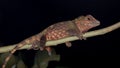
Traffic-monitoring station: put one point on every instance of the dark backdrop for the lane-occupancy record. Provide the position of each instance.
(20, 19)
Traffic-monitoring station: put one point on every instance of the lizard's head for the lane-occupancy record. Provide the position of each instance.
(87, 22)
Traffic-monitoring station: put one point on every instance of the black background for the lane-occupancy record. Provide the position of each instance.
(20, 19)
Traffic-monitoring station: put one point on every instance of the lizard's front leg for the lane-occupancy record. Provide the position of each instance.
(75, 32)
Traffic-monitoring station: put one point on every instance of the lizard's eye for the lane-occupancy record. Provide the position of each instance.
(88, 18)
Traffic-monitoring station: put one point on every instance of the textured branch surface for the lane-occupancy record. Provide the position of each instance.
(56, 42)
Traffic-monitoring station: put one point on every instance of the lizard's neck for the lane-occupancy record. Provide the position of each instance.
(81, 27)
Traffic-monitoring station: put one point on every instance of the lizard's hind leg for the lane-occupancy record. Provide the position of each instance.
(42, 42)
(39, 44)
(42, 45)
(34, 45)
(74, 32)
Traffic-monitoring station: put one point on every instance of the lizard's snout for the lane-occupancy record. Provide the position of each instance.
(96, 23)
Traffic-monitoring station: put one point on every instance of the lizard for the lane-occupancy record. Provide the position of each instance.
(76, 27)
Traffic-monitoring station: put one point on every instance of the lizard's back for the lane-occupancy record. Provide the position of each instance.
(59, 30)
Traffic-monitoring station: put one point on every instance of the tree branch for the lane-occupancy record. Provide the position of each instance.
(56, 42)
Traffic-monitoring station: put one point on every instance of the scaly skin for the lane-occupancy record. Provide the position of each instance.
(76, 27)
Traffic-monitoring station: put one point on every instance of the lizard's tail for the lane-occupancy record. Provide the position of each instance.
(9, 56)
(6, 60)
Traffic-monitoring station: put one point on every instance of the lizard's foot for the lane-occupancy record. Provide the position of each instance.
(41, 48)
(81, 37)
(49, 50)
(68, 44)
(36, 46)
(84, 38)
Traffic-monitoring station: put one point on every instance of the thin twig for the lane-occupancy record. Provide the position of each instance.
(60, 41)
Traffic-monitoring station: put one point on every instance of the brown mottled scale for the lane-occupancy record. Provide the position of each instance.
(76, 27)
(58, 31)
(61, 30)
